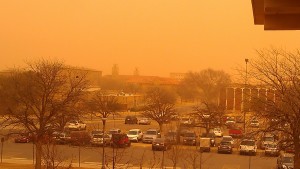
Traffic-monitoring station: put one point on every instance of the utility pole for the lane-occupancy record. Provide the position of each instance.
(103, 150)
(245, 101)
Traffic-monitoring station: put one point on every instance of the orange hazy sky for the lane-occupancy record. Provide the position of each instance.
(156, 36)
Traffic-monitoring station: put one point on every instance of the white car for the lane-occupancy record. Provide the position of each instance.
(135, 135)
(248, 146)
(75, 125)
(218, 132)
(144, 121)
(254, 123)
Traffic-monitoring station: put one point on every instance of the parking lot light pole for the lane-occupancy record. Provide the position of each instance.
(245, 107)
(103, 150)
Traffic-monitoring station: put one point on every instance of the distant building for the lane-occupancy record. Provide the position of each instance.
(236, 98)
(178, 76)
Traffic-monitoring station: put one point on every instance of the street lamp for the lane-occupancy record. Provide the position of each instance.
(103, 151)
(245, 107)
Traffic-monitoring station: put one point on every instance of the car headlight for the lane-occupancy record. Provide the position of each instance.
(285, 167)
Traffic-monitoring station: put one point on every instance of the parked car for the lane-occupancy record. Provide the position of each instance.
(230, 121)
(248, 146)
(225, 147)
(135, 135)
(23, 138)
(161, 144)
(144, 121)
(190, 138)
(75, 125)
(218, 132)
(228, 139)
(120, 140)
(150, 135)
(254, 123)
(113, 131)
(186, 121)
(235, 132)
(285, 161)
(272, 149)
(266, 139)
(131, 120)
(80, 138)
(172, 136)
(62, 138)
(97, 140)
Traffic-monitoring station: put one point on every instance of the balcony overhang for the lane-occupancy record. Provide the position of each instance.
(277, 14)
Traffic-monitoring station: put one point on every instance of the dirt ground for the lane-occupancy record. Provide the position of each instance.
(24, 166)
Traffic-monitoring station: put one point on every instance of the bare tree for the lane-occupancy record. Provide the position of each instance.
(175, 154)
(208, 115)
(103, 105)
(34, 97)
(159, 105)
(204, 85)
(278, 71)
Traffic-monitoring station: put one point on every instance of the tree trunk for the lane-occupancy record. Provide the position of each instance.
(38, 157)
(297, 154)
(160, 127)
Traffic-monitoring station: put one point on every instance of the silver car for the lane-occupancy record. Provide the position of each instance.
(150, 135)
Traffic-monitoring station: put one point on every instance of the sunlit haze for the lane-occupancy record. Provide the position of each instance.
(157, 37)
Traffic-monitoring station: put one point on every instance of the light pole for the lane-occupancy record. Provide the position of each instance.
(103, 150)
(245, 107)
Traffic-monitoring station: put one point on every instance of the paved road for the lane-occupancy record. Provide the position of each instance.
(140, 153)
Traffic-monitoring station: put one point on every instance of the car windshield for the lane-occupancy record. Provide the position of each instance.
(113, 131)
(269, 138)
(217, 130)
(225, 143)
(226, 139)
(272, 146)
(288, 160)
(159, 140)
(132, 132)
(97, 136)
(151, 132)
(248, 143)
(189, 134)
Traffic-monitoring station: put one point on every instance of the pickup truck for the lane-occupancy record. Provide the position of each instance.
(235, 132)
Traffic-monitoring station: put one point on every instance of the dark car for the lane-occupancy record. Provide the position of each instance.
(225, 147)
(190, 138)
(285, 161)
(120, 140)
(80, 138)
(172, 136)
(62, 138)
(131, 120)
(161, 144)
